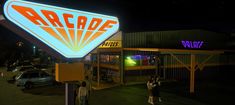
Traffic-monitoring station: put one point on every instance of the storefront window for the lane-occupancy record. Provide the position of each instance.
(109, 59)
(132, 60)
(87, 58)
(114, 59)
(140, 60)
(104, 58)
(94, 58)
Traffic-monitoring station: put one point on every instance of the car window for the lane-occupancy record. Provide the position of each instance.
(19, 75)
(26, 68)
(25, 75)
(44, 74)
(34, 75)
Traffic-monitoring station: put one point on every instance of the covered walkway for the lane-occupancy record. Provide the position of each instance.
(191, 65)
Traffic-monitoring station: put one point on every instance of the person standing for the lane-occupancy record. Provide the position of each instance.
(82, 94)
(156, 90)
(149, 87)
(1, 73)
(88, 85)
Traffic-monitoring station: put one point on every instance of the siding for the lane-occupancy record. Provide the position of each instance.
(172, 39)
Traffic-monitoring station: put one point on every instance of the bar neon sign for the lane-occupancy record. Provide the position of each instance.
(70, 32)
(192, 44)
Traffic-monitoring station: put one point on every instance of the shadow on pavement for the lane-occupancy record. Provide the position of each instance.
(11, 81)
(46, 90)
(212, 93)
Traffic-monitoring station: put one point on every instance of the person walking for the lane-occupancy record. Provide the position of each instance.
(82, 94)
(149, 87)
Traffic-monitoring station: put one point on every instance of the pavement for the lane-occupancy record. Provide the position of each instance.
(101, 86)
(135, 95)
(54, 95)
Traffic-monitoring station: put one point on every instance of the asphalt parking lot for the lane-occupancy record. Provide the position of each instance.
(12, 95)
(54, 95)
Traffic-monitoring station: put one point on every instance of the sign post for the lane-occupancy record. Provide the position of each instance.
(71, 33)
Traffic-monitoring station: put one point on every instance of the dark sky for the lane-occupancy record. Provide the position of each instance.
(154, 15)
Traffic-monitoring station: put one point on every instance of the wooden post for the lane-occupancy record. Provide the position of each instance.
(164, 66)
(98, 67)
(122, 67)
(156, 65)
(192, 73)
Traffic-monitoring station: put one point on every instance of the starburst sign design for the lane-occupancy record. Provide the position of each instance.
(72, 33)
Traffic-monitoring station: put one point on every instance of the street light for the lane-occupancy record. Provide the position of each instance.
(34, 50)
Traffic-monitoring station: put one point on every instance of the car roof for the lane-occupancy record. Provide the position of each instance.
(32, 71)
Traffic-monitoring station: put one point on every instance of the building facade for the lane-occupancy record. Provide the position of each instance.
(134, 57)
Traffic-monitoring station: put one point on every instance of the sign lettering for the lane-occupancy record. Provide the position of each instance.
(192, 44)
(111, 44)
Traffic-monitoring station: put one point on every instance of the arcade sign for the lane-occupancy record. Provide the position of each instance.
(72, 33)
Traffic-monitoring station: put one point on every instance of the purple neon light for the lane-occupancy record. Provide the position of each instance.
(192, 44)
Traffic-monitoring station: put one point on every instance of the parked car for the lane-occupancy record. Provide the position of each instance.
(41, 66)
(24, 68)
(11, 66)
(33, 78)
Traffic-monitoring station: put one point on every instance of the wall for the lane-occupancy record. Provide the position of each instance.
(172, 39)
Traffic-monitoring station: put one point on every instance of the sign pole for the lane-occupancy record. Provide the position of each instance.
(69, 94)
(66, 94)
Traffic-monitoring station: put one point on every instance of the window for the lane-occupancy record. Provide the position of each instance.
(43, 74)
(140, 60)
(34, 75)
(109, 58)
(25, 76)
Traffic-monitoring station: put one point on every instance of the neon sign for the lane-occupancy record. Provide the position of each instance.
(129, 61)
(192, 44)
(72, 33)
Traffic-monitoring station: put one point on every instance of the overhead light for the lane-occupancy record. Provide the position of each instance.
(1, 17)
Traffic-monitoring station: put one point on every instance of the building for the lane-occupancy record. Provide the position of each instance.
(174, 55)
(132, 57)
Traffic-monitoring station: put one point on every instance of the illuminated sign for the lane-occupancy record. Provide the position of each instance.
(130, 62)
(69, 72)
(192, 44)
(70, 32)
(111, 44)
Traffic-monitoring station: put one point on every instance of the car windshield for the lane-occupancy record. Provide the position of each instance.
(44, 74)
(18, 75)
(26, 68)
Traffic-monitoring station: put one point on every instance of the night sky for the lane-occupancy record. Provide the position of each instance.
(156, 15)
